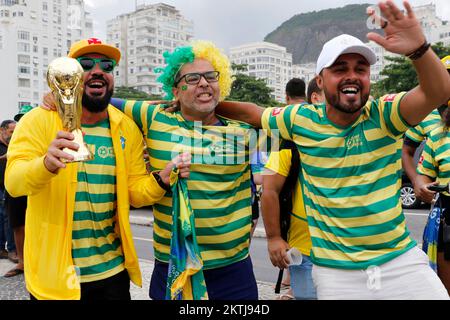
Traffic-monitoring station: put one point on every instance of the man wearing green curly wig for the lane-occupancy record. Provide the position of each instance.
(197, 78)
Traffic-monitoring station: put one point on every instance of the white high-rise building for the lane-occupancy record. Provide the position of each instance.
(32, 34)
(142, 37)
(80, 24)
(435, 29)
(381, 63)
(305, 71)
(267, 61)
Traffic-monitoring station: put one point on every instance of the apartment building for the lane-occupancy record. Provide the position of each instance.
(267, 61)
(382, 61)
(80, 24)
(435, 30)
(32, 34)
(143, 36)
(305, 71)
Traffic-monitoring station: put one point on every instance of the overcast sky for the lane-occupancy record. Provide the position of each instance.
(230, 23)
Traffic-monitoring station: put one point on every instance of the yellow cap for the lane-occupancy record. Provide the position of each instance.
(446, 62)
(94, 45)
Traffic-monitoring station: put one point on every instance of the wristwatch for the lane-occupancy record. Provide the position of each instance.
(160, 181)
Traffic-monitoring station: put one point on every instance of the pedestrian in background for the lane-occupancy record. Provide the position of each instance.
(434, 169)
(16, 209)
(413, 139)
(315, 94)
(7, 244)
(279, 168)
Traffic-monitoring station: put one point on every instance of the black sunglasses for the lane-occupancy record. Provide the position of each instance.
(106, 64)
(195, 77)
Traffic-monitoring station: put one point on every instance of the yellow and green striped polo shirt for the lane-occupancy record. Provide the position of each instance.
(96, 246)
(351, 181)
(436, 156)
(218, 186)
(423, 129)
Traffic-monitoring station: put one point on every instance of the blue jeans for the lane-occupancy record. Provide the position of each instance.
(301, 280)
(6, 233)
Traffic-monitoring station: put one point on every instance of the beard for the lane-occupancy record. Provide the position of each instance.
(199, 108)
(205, 109)
(97, 104)
(350, 107)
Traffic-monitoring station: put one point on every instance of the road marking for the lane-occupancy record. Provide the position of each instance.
(143, 239)
(416, 214)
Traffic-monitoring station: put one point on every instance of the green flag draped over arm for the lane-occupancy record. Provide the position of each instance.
(185, 280)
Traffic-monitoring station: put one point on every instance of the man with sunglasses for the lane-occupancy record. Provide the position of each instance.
(197, 77)
(79, 243)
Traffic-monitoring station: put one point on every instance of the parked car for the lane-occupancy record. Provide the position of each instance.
(407, 195)
(409, 199)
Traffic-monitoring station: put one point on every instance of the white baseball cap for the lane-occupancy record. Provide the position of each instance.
(340, 45)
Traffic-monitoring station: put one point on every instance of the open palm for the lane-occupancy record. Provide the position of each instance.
(403, 33)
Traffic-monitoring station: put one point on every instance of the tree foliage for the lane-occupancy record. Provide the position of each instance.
(133, 94)
(401, 75)
(250, 89)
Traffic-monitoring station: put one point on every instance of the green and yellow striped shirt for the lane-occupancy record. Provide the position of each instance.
(96, 246)
(423, 129)
(351, 179)
(435, 161)
(218, 186)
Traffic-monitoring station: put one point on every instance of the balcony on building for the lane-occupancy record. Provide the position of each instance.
(145, 78)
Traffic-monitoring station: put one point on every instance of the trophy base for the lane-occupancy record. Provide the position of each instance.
(83, 153)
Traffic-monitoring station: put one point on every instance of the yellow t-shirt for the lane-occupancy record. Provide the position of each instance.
(298, 235)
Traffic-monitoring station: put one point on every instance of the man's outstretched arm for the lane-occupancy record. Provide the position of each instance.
(242, 111)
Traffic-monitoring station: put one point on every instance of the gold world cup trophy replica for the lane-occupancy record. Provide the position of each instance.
(65, 79)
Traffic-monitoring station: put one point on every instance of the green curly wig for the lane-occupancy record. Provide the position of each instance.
(199, 50)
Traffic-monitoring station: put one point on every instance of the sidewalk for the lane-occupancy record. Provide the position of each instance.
(14, 288)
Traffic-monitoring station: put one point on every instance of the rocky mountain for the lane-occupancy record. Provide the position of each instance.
(304, 34)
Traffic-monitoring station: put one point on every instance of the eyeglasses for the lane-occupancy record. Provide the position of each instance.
(195, 77)
(106, 64)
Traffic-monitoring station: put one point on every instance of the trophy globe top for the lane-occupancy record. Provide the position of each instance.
(65, 77)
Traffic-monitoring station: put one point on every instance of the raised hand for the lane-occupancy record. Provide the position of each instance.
(403, 33)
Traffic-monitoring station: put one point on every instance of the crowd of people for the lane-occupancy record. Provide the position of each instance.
(345, 218)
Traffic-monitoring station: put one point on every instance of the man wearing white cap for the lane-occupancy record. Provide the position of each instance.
(350, 149)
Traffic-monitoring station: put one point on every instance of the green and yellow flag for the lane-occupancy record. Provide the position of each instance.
(185, 280)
